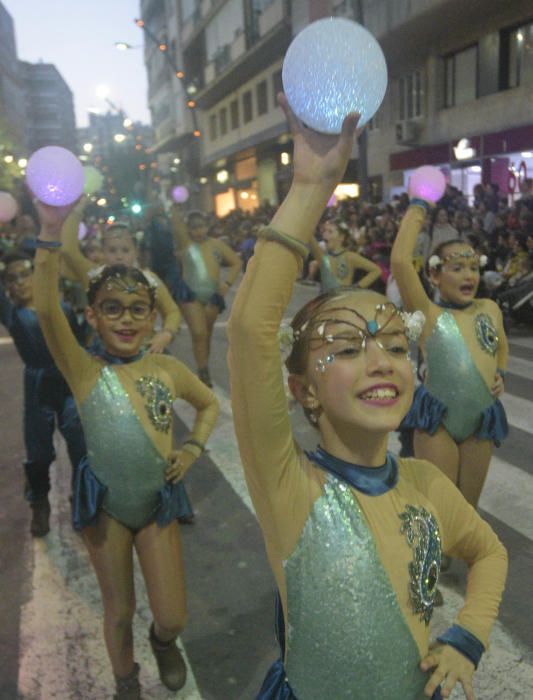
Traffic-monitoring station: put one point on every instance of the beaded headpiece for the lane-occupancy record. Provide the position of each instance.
(436, 261)
(326, 330)
(125, 279)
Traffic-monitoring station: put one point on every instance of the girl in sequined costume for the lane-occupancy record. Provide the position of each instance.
(456, 413)
(354, 536)
(119, 246)
(338, 265)
(125, 494)
(201, 292)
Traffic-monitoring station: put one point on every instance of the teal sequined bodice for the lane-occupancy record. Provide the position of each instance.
(196, 274)
(121, 454)
(454, 378)
(328, 280)
(347, 638)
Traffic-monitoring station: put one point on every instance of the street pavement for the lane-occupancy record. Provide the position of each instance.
(51, 645)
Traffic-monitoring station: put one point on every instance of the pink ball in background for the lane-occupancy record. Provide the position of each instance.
(427, 183)
(55, 176)
(332, 200)
(180, 194)
(82, 231)
(8, 207)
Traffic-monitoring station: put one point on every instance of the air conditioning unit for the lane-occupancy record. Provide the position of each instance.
(407, 132)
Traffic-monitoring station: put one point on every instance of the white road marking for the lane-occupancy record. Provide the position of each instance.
(62, 650)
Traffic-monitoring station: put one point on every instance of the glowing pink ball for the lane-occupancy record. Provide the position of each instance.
(427, 183)
(55, 176)
(8, 207)
(180, 194)
(82, 231)
(332, 201)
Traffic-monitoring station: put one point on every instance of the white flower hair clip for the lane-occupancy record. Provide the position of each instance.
(286, 341)
(483, 260)
(95, 272)
(434, 262)
(414, 324)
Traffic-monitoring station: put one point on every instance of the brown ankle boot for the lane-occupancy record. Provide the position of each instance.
(172, 669)
(129, 688)
(40, 519)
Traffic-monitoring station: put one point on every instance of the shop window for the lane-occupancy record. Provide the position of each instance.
(223, 121)
(247, 107)
(262, 99)
(277, 84)
(520, 70)
(410, 96)
(234, 114)
(461, 77)
(213, 127)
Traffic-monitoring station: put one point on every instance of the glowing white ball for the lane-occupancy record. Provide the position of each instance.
(55, 176)
(427, 183)
(8, 207)
(334, 67)
(93, 179)
(180, 194)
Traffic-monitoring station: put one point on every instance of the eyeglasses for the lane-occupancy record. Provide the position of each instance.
(114, 309)
(14, 278)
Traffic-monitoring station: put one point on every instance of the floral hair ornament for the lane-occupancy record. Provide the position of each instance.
(414, 324)
(436, 261)
(286, 341)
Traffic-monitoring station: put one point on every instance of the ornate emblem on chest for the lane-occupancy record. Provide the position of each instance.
(342, 269)
(422, 533)
(486, 334)
(158, 402)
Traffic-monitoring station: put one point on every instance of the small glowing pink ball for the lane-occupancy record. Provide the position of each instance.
(8, 207)
(55, 176)
(427, 183)
(82, 231)
(332, 201)
(180, 194)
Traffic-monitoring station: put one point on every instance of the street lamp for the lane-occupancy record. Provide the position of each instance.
(119, 138)
(87, 147)
(124, 46)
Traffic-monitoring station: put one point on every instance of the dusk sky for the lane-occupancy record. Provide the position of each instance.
(78, 37)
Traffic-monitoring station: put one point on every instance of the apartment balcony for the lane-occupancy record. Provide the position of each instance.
(235, 63)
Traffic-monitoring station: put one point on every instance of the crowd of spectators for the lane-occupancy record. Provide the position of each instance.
(494, 227)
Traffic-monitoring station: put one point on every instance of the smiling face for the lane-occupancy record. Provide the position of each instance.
(358, 378)
(18, 278)
(123, 319)
(458, 278)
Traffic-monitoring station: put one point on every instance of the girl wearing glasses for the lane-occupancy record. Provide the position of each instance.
(119, 246)
(125, 494)
(354, 536)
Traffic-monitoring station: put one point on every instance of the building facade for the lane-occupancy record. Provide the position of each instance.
(459, 96)
(12, 109)
(49, 107)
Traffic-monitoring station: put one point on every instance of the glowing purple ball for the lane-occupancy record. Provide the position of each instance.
(180, 194)
(332, 201)
(8, 207)
(55, 176)
(82, 231)
(427, 183)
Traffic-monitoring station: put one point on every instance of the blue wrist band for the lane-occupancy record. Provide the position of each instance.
(465, 643)
(47, 244)
(417, 202)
